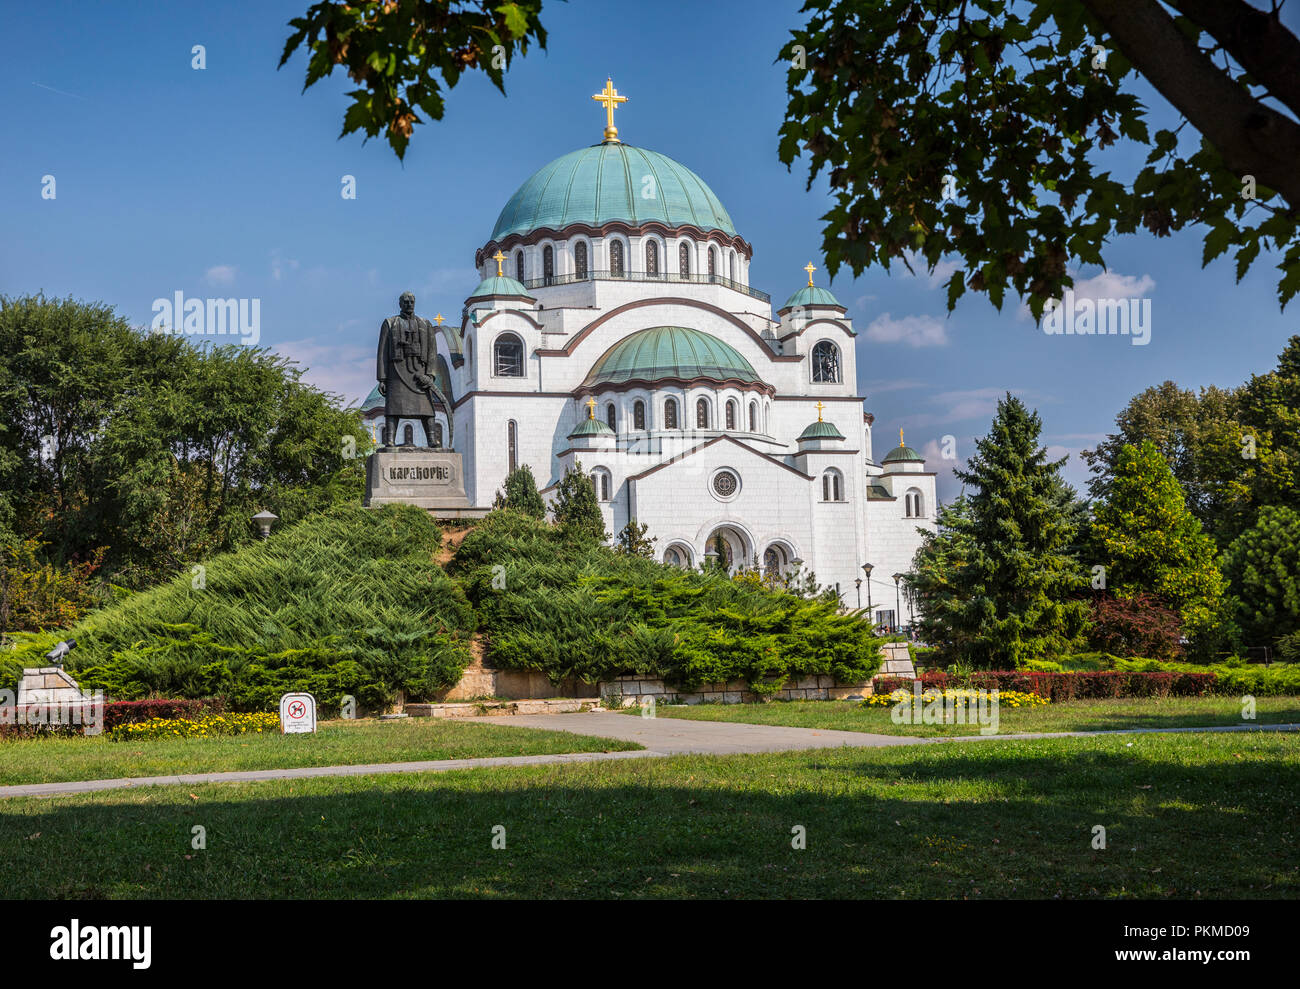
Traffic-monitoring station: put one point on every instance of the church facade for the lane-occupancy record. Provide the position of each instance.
(615, 327)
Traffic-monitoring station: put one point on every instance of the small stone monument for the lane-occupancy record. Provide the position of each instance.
(430, 477)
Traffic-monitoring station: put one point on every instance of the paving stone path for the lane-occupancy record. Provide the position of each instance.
(662, 737)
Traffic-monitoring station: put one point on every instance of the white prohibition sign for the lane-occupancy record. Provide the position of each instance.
(297, 714)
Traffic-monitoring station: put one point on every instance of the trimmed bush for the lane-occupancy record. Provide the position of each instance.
(1059, 687)
(348, 601)
(571, 607)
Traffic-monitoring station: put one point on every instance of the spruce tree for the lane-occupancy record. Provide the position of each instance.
(1263, 565)
(1012, 591)
(1150, 542)
(521, 494)
(576, 507)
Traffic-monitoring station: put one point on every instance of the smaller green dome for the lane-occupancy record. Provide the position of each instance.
(591, 427)
(373, 401)
(821, 431)
(499, 285)
(903, 454)
(811, 295)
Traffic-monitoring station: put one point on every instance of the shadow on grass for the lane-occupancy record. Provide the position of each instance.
(928, 822)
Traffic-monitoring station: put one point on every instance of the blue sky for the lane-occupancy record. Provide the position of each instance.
(225, 182)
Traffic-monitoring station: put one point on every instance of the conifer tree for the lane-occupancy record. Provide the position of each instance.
(1150, 542)
(521, 494)
(1263, 565)
(1010, 593)
(576, 507)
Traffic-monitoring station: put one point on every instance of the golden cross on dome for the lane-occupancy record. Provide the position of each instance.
(498, 257)
(439, 318)
(819, 410)
(900, 436)
(591, 408)
(810, 269)
(609, 96)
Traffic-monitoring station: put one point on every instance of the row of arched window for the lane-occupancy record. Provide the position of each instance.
(703, 415)
(618, 262)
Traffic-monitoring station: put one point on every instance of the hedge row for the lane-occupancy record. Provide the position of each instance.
(1066, 686)
(116, 714)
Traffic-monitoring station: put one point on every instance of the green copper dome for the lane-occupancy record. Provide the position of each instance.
(670, 352)
(591, 427)
(821, 431)
(902, 454)
(499, 285)
(609, 182)
(373, 401)
(812, 295)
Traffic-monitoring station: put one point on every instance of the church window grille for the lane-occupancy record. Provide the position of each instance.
(713, 262)
(826, 362)
(600, 484)
(548, 264)
(913, 504)
(731, 415)
(580, 259)
(702, 414)
(638, 415)
(651, 258)
(519, 265)
(670, 414)
(725, 483)
(509, 356)
(684, 259)
(616, 258)
(512, 453)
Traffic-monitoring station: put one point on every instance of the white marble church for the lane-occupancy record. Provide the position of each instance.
(615, 326)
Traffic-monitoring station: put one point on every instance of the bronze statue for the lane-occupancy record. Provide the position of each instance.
(408, 356)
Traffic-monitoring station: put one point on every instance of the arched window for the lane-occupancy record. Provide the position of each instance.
(548, 264)
(678, 555)
(826, 361)
(469, 352)
(670, 413)
(702, 414)
(408, 435)
(914, 504)
(600, 483)
(753, 417)
(832, 486)
(651, 258)
(638, 415)
(508, 356)
(580, 259)
(713, 262)
(684, 259)
(616, 258)
(437, 434)
(733, 266)
(519, 265)
(512, 444)
(731, 414)
(773, 560)
(609, 417)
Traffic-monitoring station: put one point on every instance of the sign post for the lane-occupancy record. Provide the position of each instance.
(297, 714)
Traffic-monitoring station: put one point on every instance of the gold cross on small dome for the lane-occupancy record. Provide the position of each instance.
(610, 97)
(439, 318)
(819, 410)
(900, 437)
(498, 257)
(591, 408)
(810, 269)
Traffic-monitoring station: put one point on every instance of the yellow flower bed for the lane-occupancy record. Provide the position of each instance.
(208, 726)
(1006, 698)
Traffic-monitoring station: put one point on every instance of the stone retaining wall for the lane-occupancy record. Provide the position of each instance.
(628, 691)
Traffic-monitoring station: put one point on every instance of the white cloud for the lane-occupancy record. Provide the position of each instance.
(1105, 285)
(943, 270)
(279, 264)
(344, 369)
(915, 331)
(220, 274)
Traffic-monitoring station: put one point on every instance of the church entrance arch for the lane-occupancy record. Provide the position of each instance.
(732, 544)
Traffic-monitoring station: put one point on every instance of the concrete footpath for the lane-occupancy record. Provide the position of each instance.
(662, 737)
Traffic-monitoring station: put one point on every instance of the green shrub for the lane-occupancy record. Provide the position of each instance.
(349, 601)
(571, 607)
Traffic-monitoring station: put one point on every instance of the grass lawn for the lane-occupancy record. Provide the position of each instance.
(336, 743)
(1186, 817)
(1088, 715)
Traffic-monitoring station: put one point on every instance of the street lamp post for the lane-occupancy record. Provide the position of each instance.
(858, 584)
(898, 602)
(866, 569)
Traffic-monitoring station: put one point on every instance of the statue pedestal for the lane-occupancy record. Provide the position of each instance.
(432, 479)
